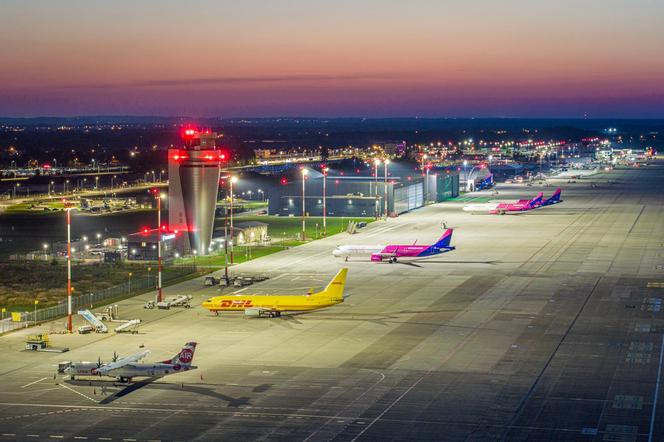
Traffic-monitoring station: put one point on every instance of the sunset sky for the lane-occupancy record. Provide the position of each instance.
(563, 58)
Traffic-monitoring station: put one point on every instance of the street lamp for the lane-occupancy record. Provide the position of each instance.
(325, 171)
(45, 247)
(159, 197)
(304, 177)
(232, 181)
(98, 235)
(387, 161)
(376, 164)
(68, 210)
(130, 282)
(96, 182)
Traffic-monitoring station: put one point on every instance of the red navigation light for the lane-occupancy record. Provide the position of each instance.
(222, 156)
(163, 227)
(46, 166)
(188, 133)
(145, 230)
(284, 181)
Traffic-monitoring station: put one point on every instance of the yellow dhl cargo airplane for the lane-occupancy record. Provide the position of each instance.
(273, 305)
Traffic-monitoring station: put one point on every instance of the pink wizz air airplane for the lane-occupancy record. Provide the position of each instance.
(392, 253)
(517, 206)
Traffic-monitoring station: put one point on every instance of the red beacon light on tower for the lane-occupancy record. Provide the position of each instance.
(188, 133)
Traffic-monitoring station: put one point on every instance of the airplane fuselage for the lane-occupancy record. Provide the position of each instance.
(281, 303)
(128, 371)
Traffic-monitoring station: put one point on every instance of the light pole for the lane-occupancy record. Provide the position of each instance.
(304, 177)
(35, 317)
(387, 161)
(69, 319)
(159, 236)
(465, 163)
(130, 282)
(232, 181)
(96, 182)
(325, 170)
(426, 195)
(45, 246)
(376, 164)
(426, 182)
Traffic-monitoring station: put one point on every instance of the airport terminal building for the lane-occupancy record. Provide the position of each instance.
(361, 196)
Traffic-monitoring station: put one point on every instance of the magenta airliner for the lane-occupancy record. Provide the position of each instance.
(498, 208)
(392, 253)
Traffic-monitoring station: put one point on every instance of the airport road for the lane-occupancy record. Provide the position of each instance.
(540, 326)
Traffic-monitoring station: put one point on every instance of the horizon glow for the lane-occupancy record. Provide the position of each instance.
(333, 58)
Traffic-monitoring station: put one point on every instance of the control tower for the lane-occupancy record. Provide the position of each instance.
(193, 173)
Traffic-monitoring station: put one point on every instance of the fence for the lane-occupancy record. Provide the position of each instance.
(92, 300)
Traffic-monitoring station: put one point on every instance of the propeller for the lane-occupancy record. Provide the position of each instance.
(115, 357)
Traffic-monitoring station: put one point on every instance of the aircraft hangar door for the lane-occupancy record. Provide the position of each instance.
(415, 196)
(401, 199)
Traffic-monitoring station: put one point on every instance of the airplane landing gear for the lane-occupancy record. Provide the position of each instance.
(392, 260)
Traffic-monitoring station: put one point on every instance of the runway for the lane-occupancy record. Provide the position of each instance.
(541, 326)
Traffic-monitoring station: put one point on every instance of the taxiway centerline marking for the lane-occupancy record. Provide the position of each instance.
(34, 382)
(78, 392)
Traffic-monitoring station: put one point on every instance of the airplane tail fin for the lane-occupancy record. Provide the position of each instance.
(537, 200)
(185, 356)
(335, 289)
(445, 240)
(556, 195)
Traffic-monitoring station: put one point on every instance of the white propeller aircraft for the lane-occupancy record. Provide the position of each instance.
(124, 369)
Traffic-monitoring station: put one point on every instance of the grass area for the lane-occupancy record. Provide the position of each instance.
(35, 207)
(240, 254)
(285, 232)
(474, 199)
(291, 227)
(23, 283)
